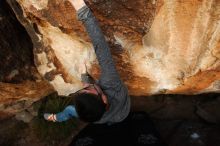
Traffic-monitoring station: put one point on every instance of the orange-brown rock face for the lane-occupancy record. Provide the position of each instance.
(164, 46)
(15, 98)
(20, 83)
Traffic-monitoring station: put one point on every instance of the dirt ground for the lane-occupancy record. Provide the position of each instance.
(181, 120)
(184, 120)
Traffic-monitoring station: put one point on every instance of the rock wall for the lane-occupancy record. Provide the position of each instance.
(16, 63)
(20, 83)
(164, 46)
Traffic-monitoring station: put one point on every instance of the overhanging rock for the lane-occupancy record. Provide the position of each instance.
(164, 46)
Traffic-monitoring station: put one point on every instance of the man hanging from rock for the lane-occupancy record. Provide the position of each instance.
(106, 104)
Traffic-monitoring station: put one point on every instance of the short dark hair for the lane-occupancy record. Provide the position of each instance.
(89, 107)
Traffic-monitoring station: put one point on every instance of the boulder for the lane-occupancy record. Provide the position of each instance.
(159, 46)
(20, 83)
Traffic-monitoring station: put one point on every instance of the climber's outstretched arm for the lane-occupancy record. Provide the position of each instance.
(110, 81)
(109, 74)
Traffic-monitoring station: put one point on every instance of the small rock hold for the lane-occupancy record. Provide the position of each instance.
(2, 107)
(205, 115)
(195, 136)
(153, 2)
(32, 111)
(13, 74)
(24, 116)
(216, 84)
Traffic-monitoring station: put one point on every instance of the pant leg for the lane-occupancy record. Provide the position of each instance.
(66, 114)
(143, 131)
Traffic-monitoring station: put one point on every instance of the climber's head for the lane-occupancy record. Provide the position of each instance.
(90, 103)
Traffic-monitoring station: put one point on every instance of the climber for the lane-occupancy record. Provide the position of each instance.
(105, 104)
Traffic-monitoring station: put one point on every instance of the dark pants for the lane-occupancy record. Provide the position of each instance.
(136, 130)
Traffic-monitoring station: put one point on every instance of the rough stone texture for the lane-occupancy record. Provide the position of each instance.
(20, 82)
(15, 98)
(16, 63)
(164, 46)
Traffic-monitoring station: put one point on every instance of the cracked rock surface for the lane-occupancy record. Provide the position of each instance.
(159, 46)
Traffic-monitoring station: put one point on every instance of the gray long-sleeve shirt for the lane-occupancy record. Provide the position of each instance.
(110, 82)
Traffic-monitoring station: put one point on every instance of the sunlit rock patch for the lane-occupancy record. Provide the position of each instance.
(159, 47)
